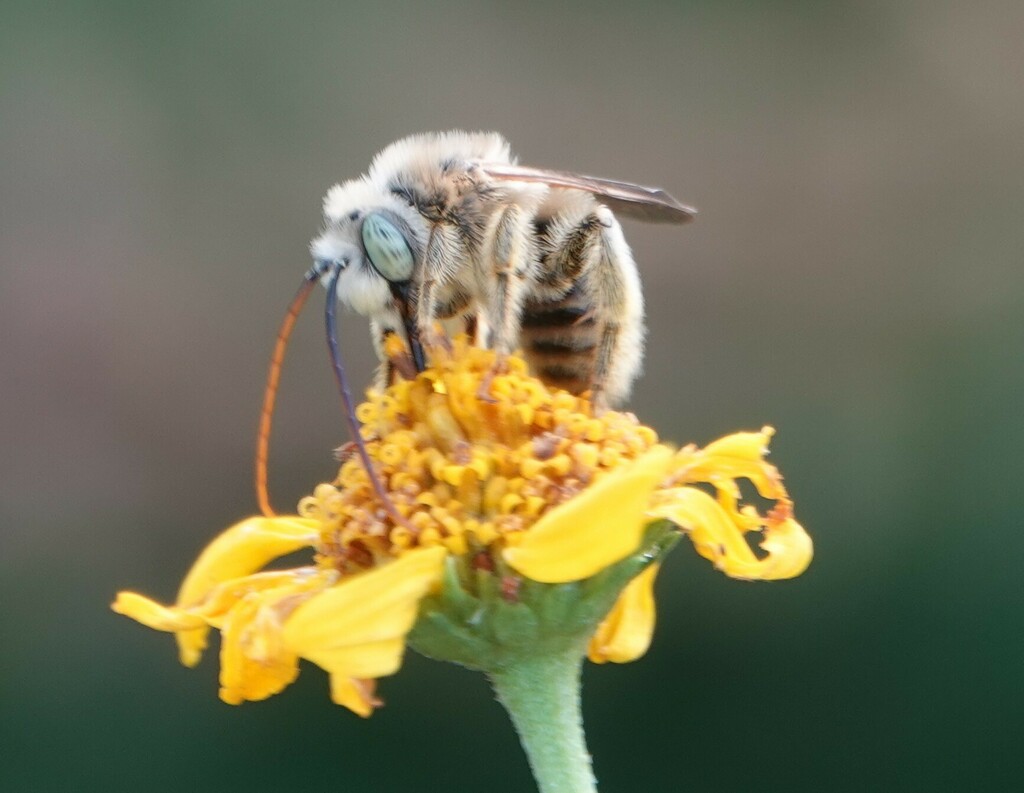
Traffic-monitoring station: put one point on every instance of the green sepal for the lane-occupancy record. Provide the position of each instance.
(487, 616)
(457, 601)
(602, 590)
(515, 624)
(558, 604)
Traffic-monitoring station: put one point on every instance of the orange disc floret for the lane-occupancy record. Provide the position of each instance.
(464, 469)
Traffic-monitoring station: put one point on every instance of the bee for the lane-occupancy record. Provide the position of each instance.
(448, 227)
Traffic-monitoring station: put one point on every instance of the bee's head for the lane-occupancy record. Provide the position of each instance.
(376, 238)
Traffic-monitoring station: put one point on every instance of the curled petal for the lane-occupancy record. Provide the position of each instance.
(718, 535)
(625, 634)
(243, 549)
(357, 628)
(220, 601)
(786, 542)
(224, 596)
(597, 528)
(254, 664)
(736, 456)
(355, 694)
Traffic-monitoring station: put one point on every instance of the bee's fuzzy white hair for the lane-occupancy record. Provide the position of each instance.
(355, 194)
(426, 151)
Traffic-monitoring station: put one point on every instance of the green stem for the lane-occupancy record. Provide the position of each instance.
(542, 695)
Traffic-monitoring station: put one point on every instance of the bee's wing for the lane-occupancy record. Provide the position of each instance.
(633, 200)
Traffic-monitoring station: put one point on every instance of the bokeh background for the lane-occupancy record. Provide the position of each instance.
(854, 278)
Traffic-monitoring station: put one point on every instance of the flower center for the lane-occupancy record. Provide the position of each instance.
(464, 471)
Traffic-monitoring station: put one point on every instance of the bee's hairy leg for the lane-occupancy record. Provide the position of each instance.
(396, 360)
(500, 367)
(445, 257)
(588, 265)
(572, 239)
(478, 331)
(471, 326)
(348, 450)
(379, 333)
(617, 297)
(514, 261)
(605, 351)
(431, 335)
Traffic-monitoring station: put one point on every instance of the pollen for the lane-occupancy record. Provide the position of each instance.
(468, 452)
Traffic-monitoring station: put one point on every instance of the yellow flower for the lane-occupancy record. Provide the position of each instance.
(531, 485)
(261, 614)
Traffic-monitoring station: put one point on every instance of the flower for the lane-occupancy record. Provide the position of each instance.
(529, 486)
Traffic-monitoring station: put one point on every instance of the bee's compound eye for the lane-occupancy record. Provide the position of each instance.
(387, 248)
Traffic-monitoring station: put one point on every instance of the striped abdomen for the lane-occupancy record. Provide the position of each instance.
(560, 339)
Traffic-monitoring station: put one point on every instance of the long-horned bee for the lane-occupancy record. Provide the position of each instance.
(447, 226)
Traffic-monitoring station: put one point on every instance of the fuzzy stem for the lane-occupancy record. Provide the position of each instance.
(542, 696)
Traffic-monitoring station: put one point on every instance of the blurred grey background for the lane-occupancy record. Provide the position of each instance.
(854, 278)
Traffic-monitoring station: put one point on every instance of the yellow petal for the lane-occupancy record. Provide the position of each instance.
(153, 615)
(355, 694)
(740, 455)
(243, 549)
(223, 597)
(365, 659)
(254, 664)
(597, 528)
(742, 445)
(625, 634)
(357, 628)
(719, 536)
(787, 543)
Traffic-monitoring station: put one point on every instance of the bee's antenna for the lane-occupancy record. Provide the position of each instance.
(273, 380)
(331, 320)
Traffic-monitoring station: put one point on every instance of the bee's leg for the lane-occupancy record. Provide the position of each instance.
(588, 271)
(379, 333)
(445, 257)
(477, 330)
(571, 241)
(614, 285)
(470, 328)
(395, 359)
(483, 393)
(427, 316)
(514, 262)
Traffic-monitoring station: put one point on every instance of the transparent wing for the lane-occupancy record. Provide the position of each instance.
(632, 200)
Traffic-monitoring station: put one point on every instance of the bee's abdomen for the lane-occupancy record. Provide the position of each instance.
(560, 338)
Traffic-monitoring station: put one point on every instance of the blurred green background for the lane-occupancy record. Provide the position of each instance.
(854, 278)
